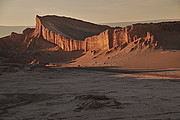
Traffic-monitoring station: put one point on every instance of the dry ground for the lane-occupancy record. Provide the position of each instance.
(88, 94)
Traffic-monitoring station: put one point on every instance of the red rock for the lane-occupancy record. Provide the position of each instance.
(71, 34)
(68, 34)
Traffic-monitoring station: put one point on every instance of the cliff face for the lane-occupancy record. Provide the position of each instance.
(166, 33)
(71, 34)
(69, 27)
(67, 33)
(98, 42)
(59, 35)
(53, 32)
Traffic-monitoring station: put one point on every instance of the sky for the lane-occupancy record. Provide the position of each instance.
(23, 12)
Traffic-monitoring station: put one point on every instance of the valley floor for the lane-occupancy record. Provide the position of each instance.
(89, 94)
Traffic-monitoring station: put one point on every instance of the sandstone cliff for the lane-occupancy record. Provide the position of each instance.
(167, 34)
(67, 34)
(71, 34)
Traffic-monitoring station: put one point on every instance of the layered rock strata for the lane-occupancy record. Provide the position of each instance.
(71, 34)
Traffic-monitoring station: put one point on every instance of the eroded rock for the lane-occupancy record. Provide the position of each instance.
(89, 102)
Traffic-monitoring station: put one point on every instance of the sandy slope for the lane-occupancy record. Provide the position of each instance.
(135, 59)
(104, 85)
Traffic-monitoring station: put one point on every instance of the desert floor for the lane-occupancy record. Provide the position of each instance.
(89, 94)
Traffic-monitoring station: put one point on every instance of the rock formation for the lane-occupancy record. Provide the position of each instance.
(71, 34)
(68, 34)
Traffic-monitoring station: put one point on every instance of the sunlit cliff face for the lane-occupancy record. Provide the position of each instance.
(53, 33)
(60, 30)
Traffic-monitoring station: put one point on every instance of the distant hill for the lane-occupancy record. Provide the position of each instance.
(6, 30)
(123, 24)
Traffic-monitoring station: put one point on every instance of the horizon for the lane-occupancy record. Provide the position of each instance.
(101, 11)
(134, 22)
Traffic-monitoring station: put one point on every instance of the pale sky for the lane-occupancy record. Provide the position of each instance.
(23, 12)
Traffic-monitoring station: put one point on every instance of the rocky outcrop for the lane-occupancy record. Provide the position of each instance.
(68, 34)
(71, 34)
(10, 44)
(98, 42)
(23, 46)
(159, 35)
(167, 34)
(144, 42)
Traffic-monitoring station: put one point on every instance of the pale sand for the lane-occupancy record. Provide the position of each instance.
(145, 59)
(49, 94)
(139, 85)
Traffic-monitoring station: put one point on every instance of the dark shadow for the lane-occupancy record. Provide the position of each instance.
(58, 56)
(117, 69)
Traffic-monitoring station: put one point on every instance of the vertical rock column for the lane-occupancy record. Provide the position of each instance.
(120, 37)
(98, 42)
